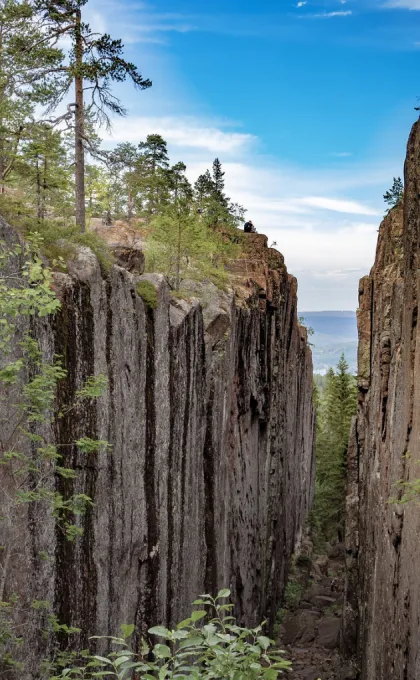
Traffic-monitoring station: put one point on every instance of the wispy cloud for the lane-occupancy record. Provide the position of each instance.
(302, 3)
(186, 132)
(338, 205)
(137, 22)
(340, 154)
(330, 15)
(403, 4)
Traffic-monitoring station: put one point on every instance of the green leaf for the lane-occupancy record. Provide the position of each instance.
(161, 631)
(127, 630)
(225, 592)
(197, 615)
(191, 642)
(121, 659)
(162, 651)
(102, 659)
(270, 674)
(264, 642)
(184, 624)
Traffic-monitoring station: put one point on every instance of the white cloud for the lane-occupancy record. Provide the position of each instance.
(404, 4)
(341, 154)
(302, 3)
(338, 205)
(329, 15)
(137, 22)
(185, 132)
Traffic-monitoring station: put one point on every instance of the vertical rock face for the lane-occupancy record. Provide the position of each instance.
(210, 476)
(382, 613)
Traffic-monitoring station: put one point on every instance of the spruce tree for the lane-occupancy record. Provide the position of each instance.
(336, 407)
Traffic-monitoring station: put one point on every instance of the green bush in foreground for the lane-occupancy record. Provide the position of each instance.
(207, 645)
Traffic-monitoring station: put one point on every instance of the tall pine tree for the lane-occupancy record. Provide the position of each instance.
(94, 62)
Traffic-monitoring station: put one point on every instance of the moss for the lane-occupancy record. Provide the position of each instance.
(147, 292)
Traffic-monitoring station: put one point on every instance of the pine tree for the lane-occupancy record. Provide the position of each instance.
(152, 176)
(203, 190)
(154, 153)
(179, 185)
(123, 160)
(43, 168)
(94, 63)
(395, 194)
(30, 71)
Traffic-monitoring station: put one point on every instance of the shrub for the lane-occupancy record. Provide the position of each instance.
(303, 561)
(59, 237)
(207, 645)
(147, 292)
(292, 595)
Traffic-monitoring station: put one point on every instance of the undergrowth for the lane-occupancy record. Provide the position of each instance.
(147, 292)
(59, 237)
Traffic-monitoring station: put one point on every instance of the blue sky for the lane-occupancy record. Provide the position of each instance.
(307, 104)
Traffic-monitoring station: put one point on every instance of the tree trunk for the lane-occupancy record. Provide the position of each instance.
(44, 191)
(178, 258)
(130, 201)
(38, 190)
(79, 130)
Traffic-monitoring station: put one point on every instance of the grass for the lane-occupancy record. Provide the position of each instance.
(59, 238)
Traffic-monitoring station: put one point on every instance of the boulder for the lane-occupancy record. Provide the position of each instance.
(329, 632)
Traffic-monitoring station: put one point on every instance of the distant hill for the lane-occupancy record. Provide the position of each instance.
(335, 333)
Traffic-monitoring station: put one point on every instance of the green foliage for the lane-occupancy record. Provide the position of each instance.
(28, 78)
(147, 292)
(56, 239)
(29, 462)
(406, 492)
(207, 645)
(395, 194)
(62, 241)
(182, 246)
(336, 405)
(292, 595)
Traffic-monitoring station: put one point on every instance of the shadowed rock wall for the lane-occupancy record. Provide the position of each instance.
(382, 615)
(209, 413)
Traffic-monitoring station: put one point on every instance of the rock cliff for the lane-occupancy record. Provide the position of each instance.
(382, 611)
(210, 476)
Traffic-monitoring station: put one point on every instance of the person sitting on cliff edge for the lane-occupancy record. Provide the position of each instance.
(249, 227)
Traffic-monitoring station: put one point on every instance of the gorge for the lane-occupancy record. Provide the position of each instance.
(208, 478)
